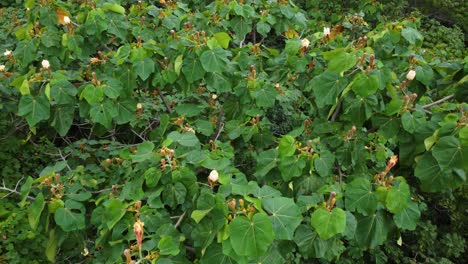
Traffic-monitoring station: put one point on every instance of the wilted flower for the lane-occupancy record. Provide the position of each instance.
(214, 176)
(45, 64)
(138, 229)
(411, 74)
(7, 53)
(305, 43)
(66, 20)
(326, 31)
(2, 68)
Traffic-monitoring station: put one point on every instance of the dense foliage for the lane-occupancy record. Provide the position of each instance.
(231, 132)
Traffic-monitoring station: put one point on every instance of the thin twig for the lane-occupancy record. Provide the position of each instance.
(180, 220)
(337, 110)
(65, 160)
(438, 101)
(15, 191)
(219, 124)
(168, 107)
(341, 175)
(138, 135)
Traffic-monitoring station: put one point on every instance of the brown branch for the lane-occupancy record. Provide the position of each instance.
(15, 191)
(181, 217)
(337, 110)
(168, 107)
(438, 101)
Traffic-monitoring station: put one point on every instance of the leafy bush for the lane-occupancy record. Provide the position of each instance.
(234, 131)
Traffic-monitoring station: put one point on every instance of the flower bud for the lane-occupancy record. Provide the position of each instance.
(213, 177)
(411, 74)
(45, 64)
(2, 68)
(7, 53)
(326, 31)
(66, 20)
(305, 43)
(139, 106)
(214, 96)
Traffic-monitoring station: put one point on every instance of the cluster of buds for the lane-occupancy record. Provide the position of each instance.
(307, 127)
(408, 102)
(189, 129)
(215, 18)
(331, 201)
(9, 55)
(362, 42)
(357, 20)
(56, 188)
(95, 80)
(180, 121)
(212, 100)
(278, 89)
(213, 178)
(252, 75)
(255, 49)
(307, 150)
(255, 120)
(349, 135)
(238, 207)
(100, 59)
(169, 159)
(382, 178)
(139, 109)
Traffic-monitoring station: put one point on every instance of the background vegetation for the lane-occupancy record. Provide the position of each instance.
(236, 131)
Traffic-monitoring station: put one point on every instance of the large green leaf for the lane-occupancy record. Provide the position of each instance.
(398, 197)
(284, 214)
(432, 178)
(287, 146)
(192, 69)
(63, 118)
(327, 87)
(372, 230)
(365, 85)
(324, 163)
(115, 210)
(187, 139)
(103, 113)
(35, 211)
(92, 94)
(214, 60)
(241, 26)
(144, 68)
(251, 237)
(412, 121)
(71, 217)
(450, 153)
(62, 91)
(409, 217)
(309, 242)
(341, 62)
(34, 109)
(328, 223)
(360, 197)
(291, 167)
(167, 246)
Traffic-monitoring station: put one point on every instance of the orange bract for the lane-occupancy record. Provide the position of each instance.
(60, 16)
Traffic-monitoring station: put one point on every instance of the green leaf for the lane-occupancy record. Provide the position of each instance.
(214, 60)
(223, 39)
(25, 52)
(360, 197)
(152, 176)
(34, 109)
(372, 230)
(327, 87)
(398, 197)
(341, 62)
(92, 94)
(35, 211)
(263, 28)
(266, 161)
(411, 35)
(144, 68)
(116, 8)
(63, 118)
(52, 245)
(285, 216)
(103, 113)
(424, 74)
(178, 64)
(251, 237)
(432, 178)
(62, 91)
(241, 27)
(287, 146)
(310, 244)
(186, 139)
(198, 215)
(450, 153)
(408, 218)
(192, 69)
(324, 163)
(126, 110)
(25, 189)
(328, 223)
(167, 246)
(144, 152)
(365, 85)
(115, 210)
(67, 217)
(291, 167)
(117, 25)
(411, 122)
